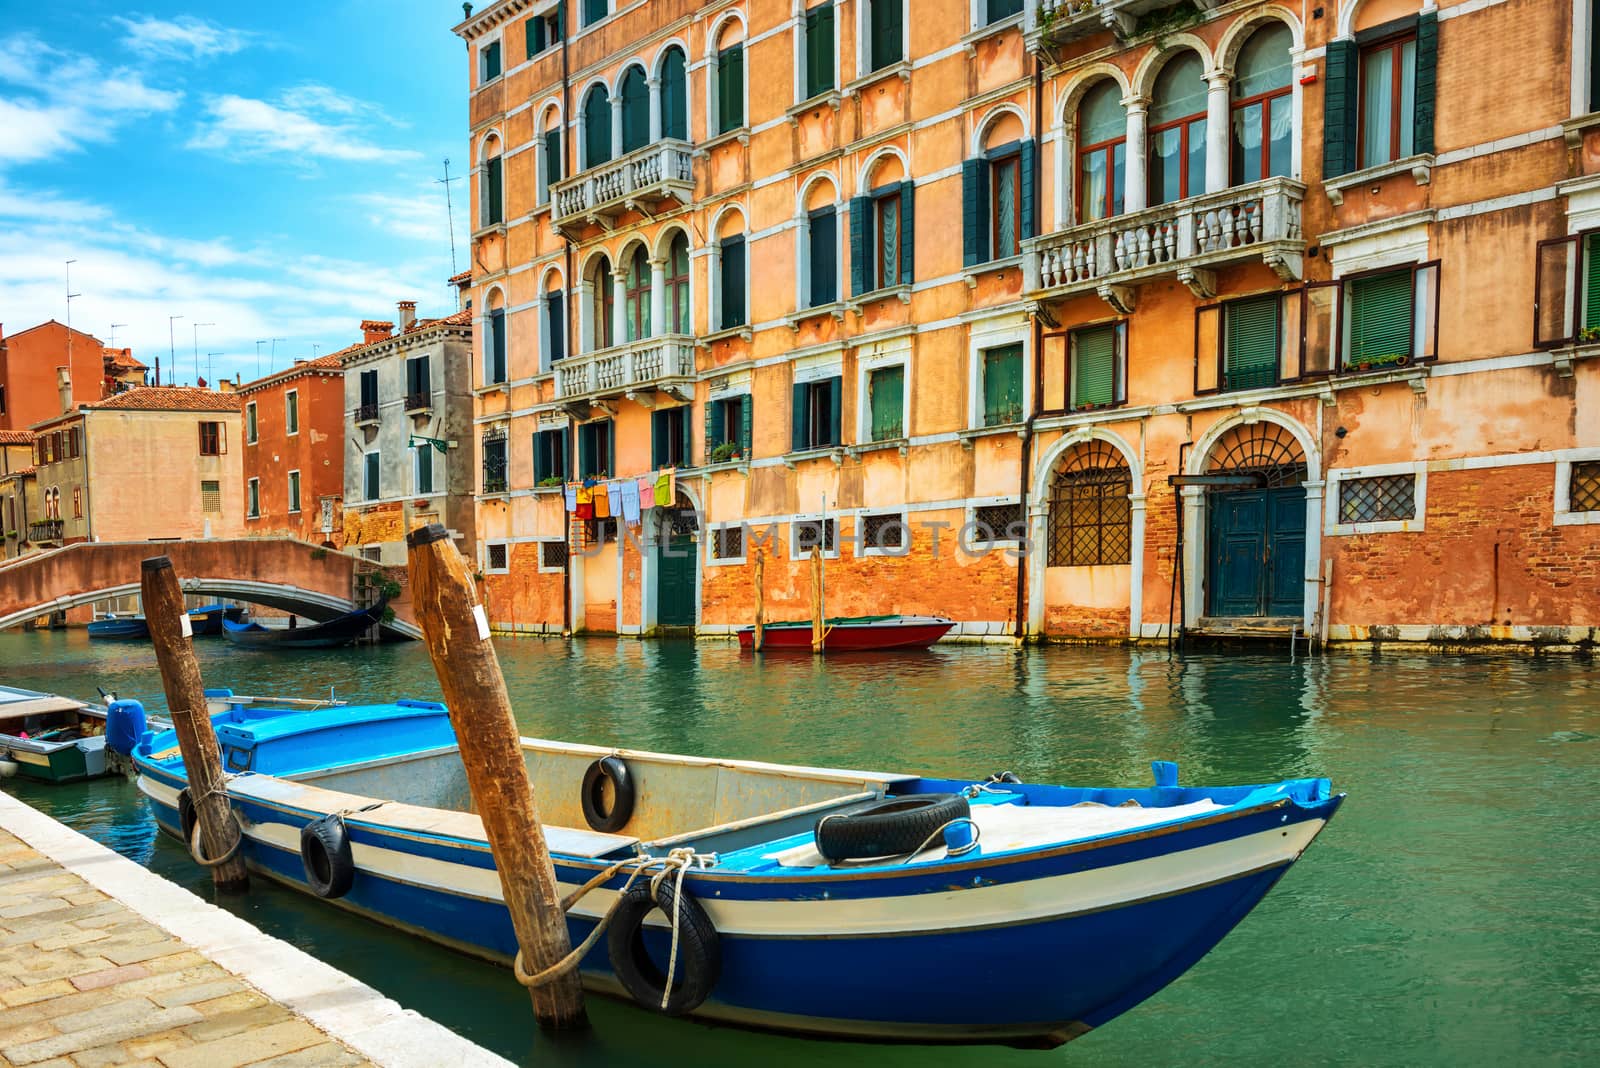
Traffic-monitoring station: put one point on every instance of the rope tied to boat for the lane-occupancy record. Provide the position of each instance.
(218, 787)
(677, 862)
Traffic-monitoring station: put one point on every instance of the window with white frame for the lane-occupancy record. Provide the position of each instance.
(552, 556)
(423, 469)
(491, 185)
(251, 434)
(733, 310)
(1377, 499)
(817, 50)
(727, 544)
(291, 412)
(882, 534)
(252, 499)
(1001, 375)
(1578, 489)
(808, 534)
(1002, 522)
(489, 61)
(882, 29)
(726, 79)
(496, 557)
(993, 11)
(593, 11)
(371, 476)
(294, 492)
(1373, 320)
(886, 402)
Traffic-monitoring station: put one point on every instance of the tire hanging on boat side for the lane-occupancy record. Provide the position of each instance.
(186, 815)
(325, 854)
(699, 949)
(610, 768)
(889, 828)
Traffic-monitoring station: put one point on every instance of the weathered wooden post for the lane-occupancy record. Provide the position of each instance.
(761, 599)
(818, 634)
(457, 633)
(186, 701)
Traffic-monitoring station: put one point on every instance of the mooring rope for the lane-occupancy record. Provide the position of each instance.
(678, 861)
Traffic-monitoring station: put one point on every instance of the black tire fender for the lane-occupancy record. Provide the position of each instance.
(889, 828)
(186, 815)
(325, 854)
(593, 794)
(699, 949)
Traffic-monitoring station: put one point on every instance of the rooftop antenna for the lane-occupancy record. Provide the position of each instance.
(70, 295)
(272, 356)
(211, 367)
(172, 347)
(263, 341)
(449, 211)
(197, 327)
(114, 327)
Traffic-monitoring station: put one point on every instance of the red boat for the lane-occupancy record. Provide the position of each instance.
(853, 633)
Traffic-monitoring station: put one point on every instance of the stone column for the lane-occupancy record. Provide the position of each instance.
(1136, 572)
(1133, 196)
(586, 324)
(654, 86)
(1218, 156)
(541, 177)
(1313, 554)
(658, 299)
(619, 307)
(1194, 554)
(616, 127)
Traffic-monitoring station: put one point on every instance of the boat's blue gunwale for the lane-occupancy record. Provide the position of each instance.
(1015, 866)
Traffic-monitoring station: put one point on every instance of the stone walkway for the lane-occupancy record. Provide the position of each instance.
(105, 963)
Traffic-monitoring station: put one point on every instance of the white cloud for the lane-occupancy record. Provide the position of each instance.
(420, 216)
(184, 37)
(308, 122)
(56, 103)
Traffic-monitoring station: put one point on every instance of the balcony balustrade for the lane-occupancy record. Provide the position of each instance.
(46, 530)
(1057, 22)
(1187, 239)
(660, 171)
(652, 363)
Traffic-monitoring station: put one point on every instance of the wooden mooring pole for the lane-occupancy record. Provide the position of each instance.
(761, 599)
(191, 718)
(457, 633)
(818, 633)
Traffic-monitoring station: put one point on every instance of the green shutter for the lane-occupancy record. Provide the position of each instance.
(674, 97)
(799, 440)
(563, 469)
(593, 11)
(1027, 156)
(716, 420)
(835, 409)
(497, 346)
(658, 438)
(491, 61)
(908, 233)
(860, 223)
(586, 450)
(1001, 9)
(824, 249)
(733, 309)
(1002, 385)
(746, 408)
(493, 211)
(887, 33)
(819, 50)
(534, 31)
(1094, 367)
(610, 432)
(635, 110)
(543, 460)
(1426, 79)
(730, 88)
(888, 403)
(1250, 343)
(552, 156)
(596, 128)
(685, 429)
(1591, 282)
(974, 211)
(1380, 318)
(1339, 109)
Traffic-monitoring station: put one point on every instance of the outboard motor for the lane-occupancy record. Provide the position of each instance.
(124, 725)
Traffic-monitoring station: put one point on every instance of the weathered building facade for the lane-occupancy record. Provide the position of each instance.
(408, 425)
(294, 426)
(1060, 319)
(31, 366)
(18, 497)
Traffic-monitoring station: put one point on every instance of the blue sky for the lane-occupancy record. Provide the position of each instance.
(269, 168)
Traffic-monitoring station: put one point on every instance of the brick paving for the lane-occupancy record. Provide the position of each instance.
(85, 981)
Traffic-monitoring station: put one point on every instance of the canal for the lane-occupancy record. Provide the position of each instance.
(1450, 915)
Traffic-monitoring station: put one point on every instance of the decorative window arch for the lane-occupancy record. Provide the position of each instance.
(1090, 511)
(1261, 110)
(595, 123)
(673, 91)
(817, 241)
(547, 143)
(1267, 448)
(599, 303)
(496, 339)
(883, 224)
(997, 203)
(1102, 129)
(725, 77)
(881, 30)
(816, 48)
(638, 285)
(674, 254)
(729, 270)
(1176, 131)
(491, 180)
(635, 93)
(552, 317)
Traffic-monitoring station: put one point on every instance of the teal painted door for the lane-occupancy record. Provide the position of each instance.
(1256, 552)
(675, 573)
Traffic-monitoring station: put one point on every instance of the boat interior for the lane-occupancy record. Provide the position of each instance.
(44, 720)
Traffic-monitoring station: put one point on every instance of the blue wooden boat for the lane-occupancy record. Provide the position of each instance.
(350, 627)
(1041, 913)
(206, 621)
(126, 628)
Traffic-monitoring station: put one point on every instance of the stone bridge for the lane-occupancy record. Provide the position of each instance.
(282, 573)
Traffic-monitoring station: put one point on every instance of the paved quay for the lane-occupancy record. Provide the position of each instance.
(105, 963)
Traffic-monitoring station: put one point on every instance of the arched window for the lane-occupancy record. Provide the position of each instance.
(550, 156)
(555, 319)
(730, 308)
(1178, 131)
(819, 246)
(1102, 152)
(674, 96)
(491, 189)
(635, 110)
(1091, 519)
(727, 84)
(1263, 118)
(602, 303)
(636, 293)
(678, 285)
(496, 341)
(596, 127)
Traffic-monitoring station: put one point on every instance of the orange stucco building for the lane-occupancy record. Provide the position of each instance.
(30, 372)
(1064, 320)
(292, 425)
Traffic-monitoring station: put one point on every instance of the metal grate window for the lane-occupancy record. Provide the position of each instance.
(494, 461)
(805, 535)
(1091, 520)
(210, 496)
(1373, 500)
(1584, 490)
(727, 543)
(884, 530)
(552, 554)
(999, 522)
(498, 555)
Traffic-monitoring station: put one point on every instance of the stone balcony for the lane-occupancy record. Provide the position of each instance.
(1057, 22)
(641, 180)
(1188, 239)
(635, 370)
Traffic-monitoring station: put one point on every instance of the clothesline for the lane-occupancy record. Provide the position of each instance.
(624, 498)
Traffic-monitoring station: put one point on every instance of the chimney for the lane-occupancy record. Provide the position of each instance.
(408, 314)
(374, 330)
(64, 385)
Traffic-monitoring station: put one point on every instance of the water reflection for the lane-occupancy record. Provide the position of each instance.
(1448, 916)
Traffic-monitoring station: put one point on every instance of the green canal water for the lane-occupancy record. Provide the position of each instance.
(1450, 915)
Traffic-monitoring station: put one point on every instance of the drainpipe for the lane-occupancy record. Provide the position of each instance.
(1026, 461)
(566, 312)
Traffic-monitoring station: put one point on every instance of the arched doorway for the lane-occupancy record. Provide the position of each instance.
(1255, 558)
(677, 563)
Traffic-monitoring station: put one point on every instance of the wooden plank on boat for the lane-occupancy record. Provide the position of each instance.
(39, 706)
